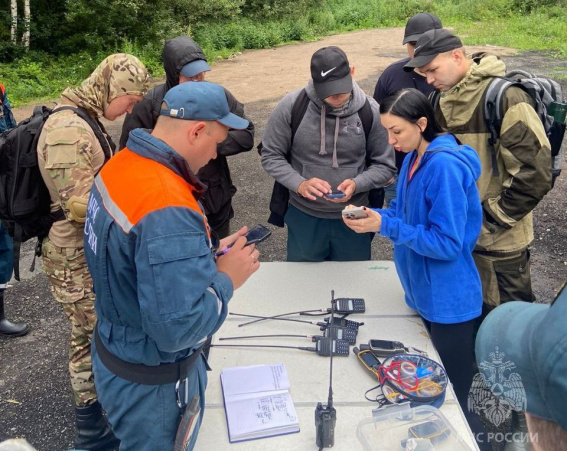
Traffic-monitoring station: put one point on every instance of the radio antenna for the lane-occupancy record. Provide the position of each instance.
(326, 416)
(262, 318)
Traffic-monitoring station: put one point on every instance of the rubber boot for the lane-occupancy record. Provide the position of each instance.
(8, 328)
(93, 432)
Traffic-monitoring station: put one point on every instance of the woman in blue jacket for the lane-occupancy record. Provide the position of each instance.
(434, 224)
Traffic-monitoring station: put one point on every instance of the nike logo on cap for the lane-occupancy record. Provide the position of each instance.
(324, 74)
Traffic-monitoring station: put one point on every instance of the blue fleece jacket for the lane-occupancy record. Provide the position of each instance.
(434, 224)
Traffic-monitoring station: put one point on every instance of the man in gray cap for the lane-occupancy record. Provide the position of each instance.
(395, 78)
(332, 159)
(527, 345)
(515, 174)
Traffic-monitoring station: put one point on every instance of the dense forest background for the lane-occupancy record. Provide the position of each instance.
(47, 45)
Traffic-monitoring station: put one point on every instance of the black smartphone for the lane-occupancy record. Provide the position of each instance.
(335, 194)
(257, 235)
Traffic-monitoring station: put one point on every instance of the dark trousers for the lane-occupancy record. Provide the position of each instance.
(455, 345)
(312, 239)
(505, 277)
(6, 256)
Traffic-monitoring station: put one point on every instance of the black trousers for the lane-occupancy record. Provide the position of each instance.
(455, 345)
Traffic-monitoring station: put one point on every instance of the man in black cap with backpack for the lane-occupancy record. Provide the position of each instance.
(337, 153)
(516, 171)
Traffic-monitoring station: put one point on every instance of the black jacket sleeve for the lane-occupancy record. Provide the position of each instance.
(238, 140)
(142, 116)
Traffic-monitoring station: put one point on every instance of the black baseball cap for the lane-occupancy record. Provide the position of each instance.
(430, 44)
(330, 72)
(419, 24)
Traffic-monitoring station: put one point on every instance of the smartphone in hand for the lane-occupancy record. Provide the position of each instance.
(354, 213)
(257, 235)
(336, 194)
(253, 236)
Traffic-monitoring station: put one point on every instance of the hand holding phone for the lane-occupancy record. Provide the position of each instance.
(253, 236)
(240, 262)
(335, 194)
(257, 235)
(354, 213)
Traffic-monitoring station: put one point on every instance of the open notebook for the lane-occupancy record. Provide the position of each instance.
(257, 402)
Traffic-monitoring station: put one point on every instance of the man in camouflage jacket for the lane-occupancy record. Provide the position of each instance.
(70, 155)
(512, 187)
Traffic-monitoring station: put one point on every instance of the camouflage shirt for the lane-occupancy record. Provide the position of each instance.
(69, 152)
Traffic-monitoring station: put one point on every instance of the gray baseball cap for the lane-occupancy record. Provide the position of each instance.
(419, 24)
(430, 44)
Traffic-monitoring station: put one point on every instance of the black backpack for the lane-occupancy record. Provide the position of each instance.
(24, 198)
(543, 92)
(280, 194)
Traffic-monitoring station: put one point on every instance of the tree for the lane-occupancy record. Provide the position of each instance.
(14, 16)
(26, 35)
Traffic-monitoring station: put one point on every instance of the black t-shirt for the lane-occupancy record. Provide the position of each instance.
(395, 78)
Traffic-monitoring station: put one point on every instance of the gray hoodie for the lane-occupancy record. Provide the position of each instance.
(334, 152)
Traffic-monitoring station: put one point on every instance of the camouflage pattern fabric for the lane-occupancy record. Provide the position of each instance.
(117, 75)
(70, 155)
(72, 286)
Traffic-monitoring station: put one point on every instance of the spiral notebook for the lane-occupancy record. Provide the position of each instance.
(257, 402)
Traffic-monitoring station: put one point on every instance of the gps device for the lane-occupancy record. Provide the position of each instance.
(257, 235)
(385, 348)
(369, 360)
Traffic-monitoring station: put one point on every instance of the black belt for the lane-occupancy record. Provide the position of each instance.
(166, 373)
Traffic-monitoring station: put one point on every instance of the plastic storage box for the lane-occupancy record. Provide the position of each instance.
(401, 428)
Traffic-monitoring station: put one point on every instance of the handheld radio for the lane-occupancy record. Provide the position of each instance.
(349, 305)
(341, 322)
(341, 333)
(326, 416)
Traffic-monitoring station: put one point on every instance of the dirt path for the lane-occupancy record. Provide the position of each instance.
(35, 399)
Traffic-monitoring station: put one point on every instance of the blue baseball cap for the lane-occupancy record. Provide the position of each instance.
(201, 101)
(533, 337)
(194, 67)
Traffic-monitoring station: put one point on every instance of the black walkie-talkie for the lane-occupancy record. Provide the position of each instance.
(326, 416)
(341, 333)
(350, 305)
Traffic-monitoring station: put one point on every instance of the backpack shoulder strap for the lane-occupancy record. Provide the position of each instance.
(95, 125)
(366, 117)
(157, 95)
(298, 111)
(493, 113)
(434, 99)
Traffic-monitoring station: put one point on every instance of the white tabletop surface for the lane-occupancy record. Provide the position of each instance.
(281, 287)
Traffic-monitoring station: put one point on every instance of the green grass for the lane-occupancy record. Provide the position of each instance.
(517, 24)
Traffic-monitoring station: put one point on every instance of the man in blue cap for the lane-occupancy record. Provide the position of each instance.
(527, 345)
(160, 290)
(183, 62)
